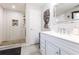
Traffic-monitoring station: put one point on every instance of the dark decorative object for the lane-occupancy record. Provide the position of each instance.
(68, 16)
(24, 20)
(75, 15)
(46, 18)
(14, 22)
(13, 51)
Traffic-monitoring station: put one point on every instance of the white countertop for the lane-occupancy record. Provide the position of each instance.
(70, 37)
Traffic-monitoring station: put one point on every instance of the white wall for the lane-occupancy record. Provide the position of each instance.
(7, 31)
(14, 32)
(33, 23)
(1, 23)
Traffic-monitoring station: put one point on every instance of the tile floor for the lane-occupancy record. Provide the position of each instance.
(31, 50)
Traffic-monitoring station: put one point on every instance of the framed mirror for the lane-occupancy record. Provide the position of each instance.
(75, 15)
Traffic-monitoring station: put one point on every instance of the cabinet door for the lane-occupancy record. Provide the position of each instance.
(42, 50)
(62, 52)
(42, 44)
(51, 49)
(42, 40)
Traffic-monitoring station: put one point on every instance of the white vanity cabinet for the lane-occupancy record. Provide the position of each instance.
(46, 47)
(51, 49)
(51, 45)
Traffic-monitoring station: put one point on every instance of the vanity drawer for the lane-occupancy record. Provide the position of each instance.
(65, 46)
(64, 52)
(71, 47)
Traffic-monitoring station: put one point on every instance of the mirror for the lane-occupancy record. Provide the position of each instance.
(66, 12)
(75, 15)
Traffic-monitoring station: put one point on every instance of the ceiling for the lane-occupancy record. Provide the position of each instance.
(39, 5)
(63, 7)
(18, 6)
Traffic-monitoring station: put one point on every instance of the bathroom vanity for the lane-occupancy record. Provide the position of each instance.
(11, 47)
(52, 43)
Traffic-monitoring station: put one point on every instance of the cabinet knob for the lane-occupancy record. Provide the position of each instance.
(57, 52)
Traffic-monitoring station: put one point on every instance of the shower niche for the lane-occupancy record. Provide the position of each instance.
(14, 22)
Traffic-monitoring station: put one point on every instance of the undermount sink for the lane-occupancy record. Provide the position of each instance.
(75, 31)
